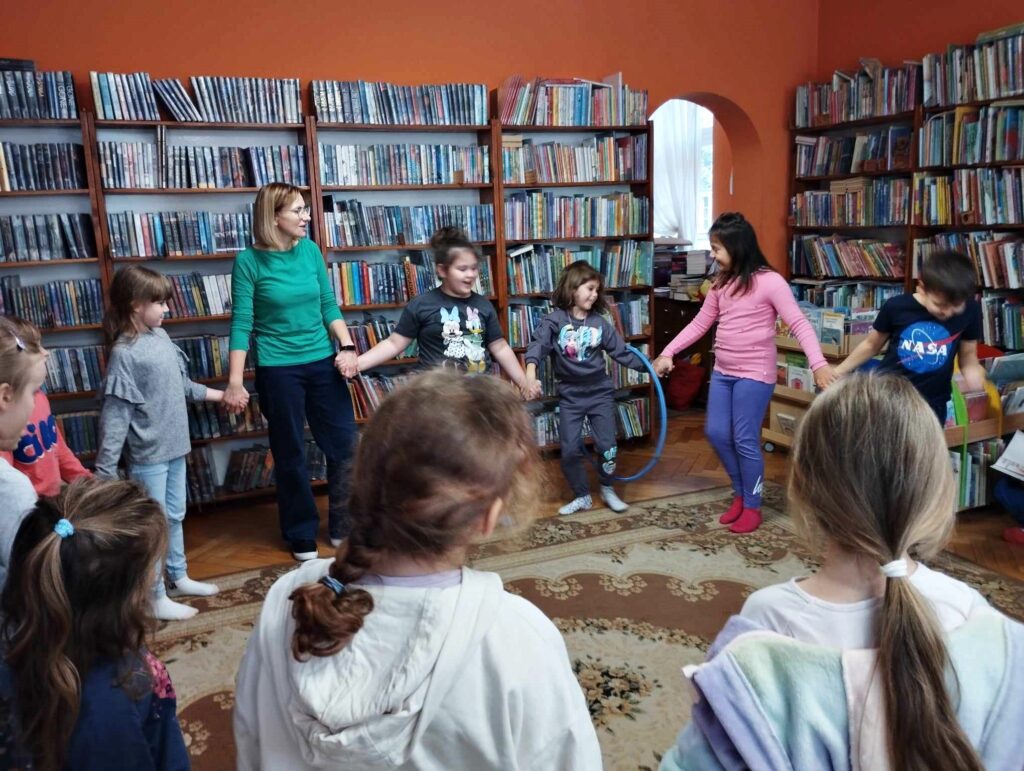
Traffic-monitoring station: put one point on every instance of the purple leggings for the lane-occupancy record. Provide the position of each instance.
(736, 407)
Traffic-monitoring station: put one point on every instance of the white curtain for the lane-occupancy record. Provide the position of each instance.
(677, 158)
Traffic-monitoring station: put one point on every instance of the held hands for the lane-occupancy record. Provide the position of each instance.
(235, 398)
(663, 365)
(531, 388)
(346, 362)
(824, 377)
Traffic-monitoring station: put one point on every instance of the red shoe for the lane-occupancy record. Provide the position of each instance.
(1014, 535)
(748, 521)
(734, 511)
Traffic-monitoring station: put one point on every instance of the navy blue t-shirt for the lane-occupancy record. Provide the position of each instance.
(922, 348)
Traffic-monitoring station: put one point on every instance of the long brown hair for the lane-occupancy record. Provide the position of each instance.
(271, 199)
(72, 602)
(871, 473)
(572, 278)
(420, 498)
(737, 236)
(20, 345)
(132, 285)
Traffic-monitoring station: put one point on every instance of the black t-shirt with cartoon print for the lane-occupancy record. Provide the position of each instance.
(922, 348)
(451, 331)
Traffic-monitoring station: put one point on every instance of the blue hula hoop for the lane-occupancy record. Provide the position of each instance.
(662, 429)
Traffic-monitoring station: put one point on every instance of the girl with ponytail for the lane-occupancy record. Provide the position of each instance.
(78, 689)
(395, 655)
(883, 662)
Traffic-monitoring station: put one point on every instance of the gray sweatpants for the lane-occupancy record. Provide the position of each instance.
(576, 402)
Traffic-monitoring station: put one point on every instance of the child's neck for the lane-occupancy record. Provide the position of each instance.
(453, 293)
(399, 565)
(579, 313)
(846, 577)
(140, 327)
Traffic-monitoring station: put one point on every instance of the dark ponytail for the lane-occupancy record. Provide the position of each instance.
(447, 241)
(737, 236)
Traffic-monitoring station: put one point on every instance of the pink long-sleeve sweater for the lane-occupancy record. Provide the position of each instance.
(745, 341)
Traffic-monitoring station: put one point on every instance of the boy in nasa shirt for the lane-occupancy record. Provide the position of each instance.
(929, 328)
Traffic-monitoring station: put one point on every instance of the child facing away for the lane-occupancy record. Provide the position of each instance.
(78, 689)
(875, 661)
(745, 299)
(395, 655)
(576, 335)
(929, 329)
(145, 417)
(452, 325)
(42, 454)
(22, 372)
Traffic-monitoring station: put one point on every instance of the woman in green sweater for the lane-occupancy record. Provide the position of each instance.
(281, 294)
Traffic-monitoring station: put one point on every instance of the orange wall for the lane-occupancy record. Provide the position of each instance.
(722, 199)
(750, 53)
(908, 29)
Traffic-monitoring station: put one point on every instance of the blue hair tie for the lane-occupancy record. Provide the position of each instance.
(333, 584)
(64, 528)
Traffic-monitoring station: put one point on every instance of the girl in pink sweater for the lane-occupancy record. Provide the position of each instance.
(745, 298)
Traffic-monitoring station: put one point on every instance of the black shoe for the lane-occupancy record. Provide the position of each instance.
(304, 550)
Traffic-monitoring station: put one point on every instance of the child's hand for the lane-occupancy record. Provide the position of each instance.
(531, 389)
(235, 398)
(974, 377)
(824, 377)
(347, 363)
(663, 365)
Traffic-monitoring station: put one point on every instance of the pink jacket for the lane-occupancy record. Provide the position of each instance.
(745, 341)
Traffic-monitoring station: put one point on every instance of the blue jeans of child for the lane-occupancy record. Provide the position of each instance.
(289, 397)
(165, 483)
(736, 407)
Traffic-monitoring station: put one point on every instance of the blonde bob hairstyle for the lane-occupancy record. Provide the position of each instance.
(270, 200)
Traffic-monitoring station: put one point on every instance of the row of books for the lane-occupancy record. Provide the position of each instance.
(253, 467)
(990, 68)
(42, 166)
(535, 268)
(792, 370)
(200, 484)
(196, 294)
(208, 355)
(969, 135)
(631, 315)
(832, 324)
(871, 91)
(859, 201)
(234, 100)
(74, 370)
(523, 318)
(971, 472)
(28, 94)
(404, 164)
(207, 420)
(1002, 320)
(123, 96)
(367, 392)
(423, 275)
(357, 282)
(179, 233)
(81, 430)
(624, 377)
(998, 257)
(54, 304)
(970, 197)
(822, 156)
(571, 102)
(835, 256)
(632, 419)
(32, 237)
(596, 159)
(844, 294)
(372, 330)
(144, 165)
(380, 103)
(350, 223)
(536, 214)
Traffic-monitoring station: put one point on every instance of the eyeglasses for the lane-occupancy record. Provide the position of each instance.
(299, 212)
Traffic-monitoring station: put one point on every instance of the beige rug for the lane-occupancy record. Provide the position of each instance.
(637, 596)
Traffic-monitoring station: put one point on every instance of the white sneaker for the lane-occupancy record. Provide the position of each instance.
(582, 503)
(336, 542)
(186, 587)
(614, 502)
(166, 609)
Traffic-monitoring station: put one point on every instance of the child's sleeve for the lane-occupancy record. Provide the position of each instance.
(973, 330)
(697, 328)
(492, 329)
(161, 727)
(243, 285)
(883, 320)
(409, 323)
(247, 735)
(70, 467)
(782, 300)
(543, 340)
(121, 396)
(615, 346)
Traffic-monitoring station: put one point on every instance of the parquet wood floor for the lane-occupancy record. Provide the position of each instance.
(242, 536)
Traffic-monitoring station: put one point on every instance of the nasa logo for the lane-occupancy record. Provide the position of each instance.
(925, 346)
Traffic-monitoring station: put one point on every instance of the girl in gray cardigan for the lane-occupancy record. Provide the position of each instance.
(144, 417)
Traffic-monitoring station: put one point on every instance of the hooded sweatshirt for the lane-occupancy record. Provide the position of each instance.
(467, 676)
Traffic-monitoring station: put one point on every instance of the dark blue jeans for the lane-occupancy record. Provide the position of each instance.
(289, 397)
(736, 407)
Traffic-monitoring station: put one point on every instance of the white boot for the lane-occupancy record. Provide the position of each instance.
(614, 502)
(166, 609)
(582, 503)
(186, 587)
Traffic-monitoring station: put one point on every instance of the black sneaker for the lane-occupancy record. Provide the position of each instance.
(304, 550)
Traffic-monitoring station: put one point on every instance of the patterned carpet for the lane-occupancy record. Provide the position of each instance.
(637, 595)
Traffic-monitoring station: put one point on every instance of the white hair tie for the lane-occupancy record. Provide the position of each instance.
(895, 569)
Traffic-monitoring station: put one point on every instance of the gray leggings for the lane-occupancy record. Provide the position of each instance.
(576, 402)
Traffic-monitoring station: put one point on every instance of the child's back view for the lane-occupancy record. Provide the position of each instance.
(394, 655)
